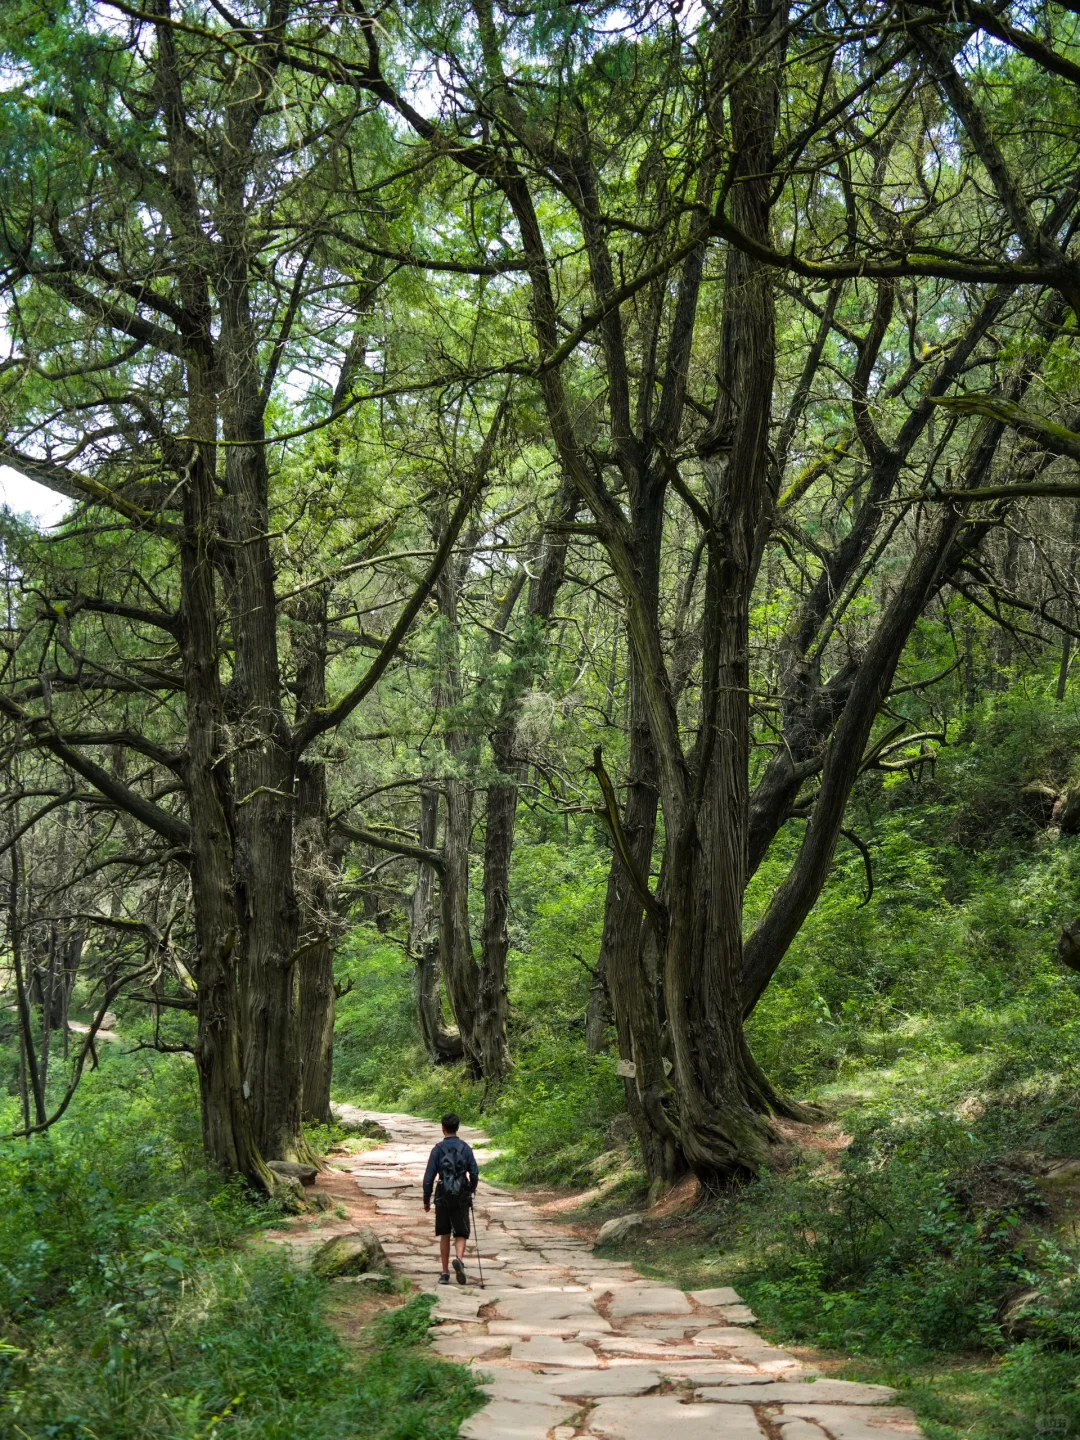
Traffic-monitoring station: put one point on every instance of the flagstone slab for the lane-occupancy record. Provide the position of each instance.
(650, 1417)
(775, 1362)
(548, 1350)
(728, 1335)
(512, 1420)
(466, 1347)
(667, 1329)
(645, 1349)
(791, 1392)
(855, 1422)
(737, 1315)
(457, 1306)
(654, 1300)
(719, 1295)
(708, 1372)
(800, 1430)
(545, 1306)
(522, 1329)
(523, 1387)
(579, 1325)
(617, 1380)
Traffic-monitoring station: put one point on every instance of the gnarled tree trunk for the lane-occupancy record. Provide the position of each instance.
(264, 763)
(228, 1134)
(443, 1045)
(529, 654)
(457, 958)
(316, 866)
(489, 1033)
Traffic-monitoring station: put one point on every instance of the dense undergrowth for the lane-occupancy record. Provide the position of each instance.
(932, 1023)
(133, 1308)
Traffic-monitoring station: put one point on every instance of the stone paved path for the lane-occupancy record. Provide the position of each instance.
(569, 1345)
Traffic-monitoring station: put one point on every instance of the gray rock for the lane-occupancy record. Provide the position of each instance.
(322, 1201)
(800, 1430)
(545, 1307)
(853, 1422)
(522, 1386)
(366, 1129)
(601, 1384)
(631, 1300)
(1066, 812)
(512, 1420)
(552, 1350)
(290, 1193)
(293, 1170)
(644, 1349)
(1061, 1176)
(358, 1253)
(621, 1130)
(522, 1329)
(467, 1347)
(614, 1232)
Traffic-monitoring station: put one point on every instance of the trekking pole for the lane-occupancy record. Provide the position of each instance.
(476, 1241)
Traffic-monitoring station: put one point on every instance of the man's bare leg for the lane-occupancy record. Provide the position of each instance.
(459, 1263)
(459, 1245)
(444, 1252)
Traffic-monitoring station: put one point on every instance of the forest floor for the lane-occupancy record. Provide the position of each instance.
(567, 1343)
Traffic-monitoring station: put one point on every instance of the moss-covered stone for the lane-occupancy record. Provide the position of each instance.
(358, 1253)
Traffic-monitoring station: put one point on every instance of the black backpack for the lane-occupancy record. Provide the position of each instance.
(453, 1168)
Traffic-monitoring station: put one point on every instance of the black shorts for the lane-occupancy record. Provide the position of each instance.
(452, 1215)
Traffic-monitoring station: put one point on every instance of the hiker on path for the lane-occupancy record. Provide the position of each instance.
(453, 1164)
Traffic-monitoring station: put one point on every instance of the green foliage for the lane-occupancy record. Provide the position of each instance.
(132, 1306)
(552, 1118)
(895, 1254)
(954, 954)
(1035, 1393)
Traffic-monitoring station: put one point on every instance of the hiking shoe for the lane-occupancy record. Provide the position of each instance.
(444, 1278)
(459, 1271)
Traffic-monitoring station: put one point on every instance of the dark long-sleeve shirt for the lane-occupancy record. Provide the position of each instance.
(432, 1172)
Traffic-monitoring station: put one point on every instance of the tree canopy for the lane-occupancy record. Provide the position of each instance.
(641, 418)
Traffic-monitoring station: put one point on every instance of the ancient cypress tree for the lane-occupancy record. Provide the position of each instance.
(166, 255)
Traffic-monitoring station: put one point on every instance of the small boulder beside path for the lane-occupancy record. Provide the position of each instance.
(294, 1170)
(358, 1253)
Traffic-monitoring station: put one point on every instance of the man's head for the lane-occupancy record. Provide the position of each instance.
(450, 1124)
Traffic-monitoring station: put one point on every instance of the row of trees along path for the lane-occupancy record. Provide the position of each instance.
(568, 1344)
(745, 332)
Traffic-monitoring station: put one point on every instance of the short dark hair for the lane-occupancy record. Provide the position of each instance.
(450, 1123)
